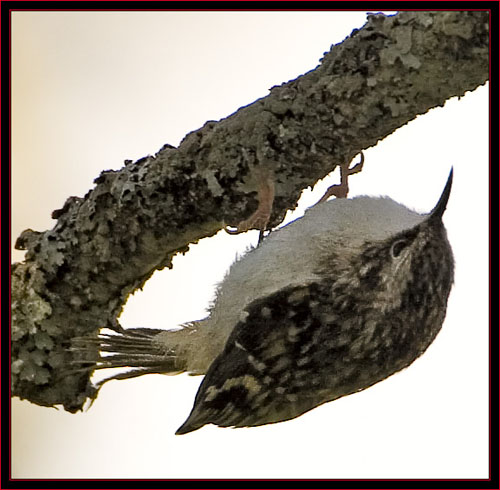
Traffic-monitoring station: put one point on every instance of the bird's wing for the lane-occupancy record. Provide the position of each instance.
(277, 364)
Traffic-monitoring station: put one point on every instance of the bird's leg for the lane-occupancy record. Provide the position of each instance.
(341, 190)
(265, 194)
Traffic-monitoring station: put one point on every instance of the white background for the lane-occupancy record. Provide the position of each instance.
(93, 89)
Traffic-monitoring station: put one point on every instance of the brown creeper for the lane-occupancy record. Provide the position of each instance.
(326, 306)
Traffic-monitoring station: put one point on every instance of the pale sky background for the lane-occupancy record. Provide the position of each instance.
(91, 89)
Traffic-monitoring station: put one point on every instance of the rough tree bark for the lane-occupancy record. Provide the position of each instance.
(76, 277)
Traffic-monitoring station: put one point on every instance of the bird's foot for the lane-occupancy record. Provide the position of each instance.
(341, 190)
(260, 218)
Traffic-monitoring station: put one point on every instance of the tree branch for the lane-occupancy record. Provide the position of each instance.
(76, 277)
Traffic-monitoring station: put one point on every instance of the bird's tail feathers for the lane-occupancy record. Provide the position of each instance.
(140, 350)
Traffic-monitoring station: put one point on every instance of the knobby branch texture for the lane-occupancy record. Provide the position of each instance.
(76, 277)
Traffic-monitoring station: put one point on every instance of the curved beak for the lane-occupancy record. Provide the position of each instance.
(437, 212)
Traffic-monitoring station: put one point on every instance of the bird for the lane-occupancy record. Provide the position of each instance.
(325, 306)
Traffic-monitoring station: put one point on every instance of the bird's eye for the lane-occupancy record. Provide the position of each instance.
(398, 247)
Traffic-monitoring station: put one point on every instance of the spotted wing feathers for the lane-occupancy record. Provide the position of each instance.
(264, 373)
